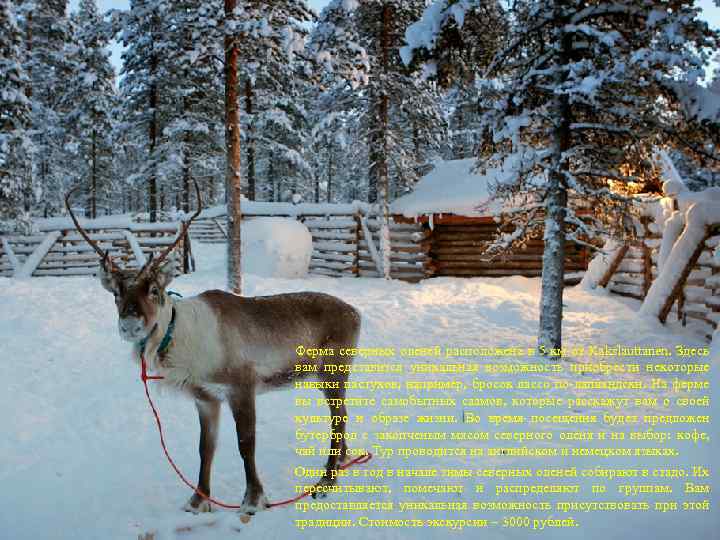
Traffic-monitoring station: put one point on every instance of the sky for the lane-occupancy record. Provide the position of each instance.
(711, 13)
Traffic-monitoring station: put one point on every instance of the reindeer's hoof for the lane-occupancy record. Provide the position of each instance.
(323, 483)
(198, 505)
(253, 503)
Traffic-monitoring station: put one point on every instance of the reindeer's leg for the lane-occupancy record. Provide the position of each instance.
(338, 446)
(209, 413)
(243, 408)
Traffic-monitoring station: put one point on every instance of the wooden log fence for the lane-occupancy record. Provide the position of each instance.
(695, 295)
(341, 247)
(63, 252)
(346, 242)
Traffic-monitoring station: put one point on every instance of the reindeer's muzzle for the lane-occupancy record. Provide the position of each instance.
(132, 328)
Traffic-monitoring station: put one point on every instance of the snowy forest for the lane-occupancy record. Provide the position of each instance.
(346, 104)
(503, 214)
(558, 101)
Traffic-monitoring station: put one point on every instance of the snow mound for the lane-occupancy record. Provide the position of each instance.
(276, 247)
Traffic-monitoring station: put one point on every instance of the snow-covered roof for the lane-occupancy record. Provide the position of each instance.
(451, 187)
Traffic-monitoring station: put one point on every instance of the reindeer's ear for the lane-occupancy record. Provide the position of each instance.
(165, 273)
(107, 279)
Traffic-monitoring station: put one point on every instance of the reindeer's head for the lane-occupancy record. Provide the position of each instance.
(140, 295)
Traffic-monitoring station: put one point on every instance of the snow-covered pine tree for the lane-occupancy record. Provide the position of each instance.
(574, 100)
(274, 85)
(461, 47)
(341, 65)
(89, 101)
(141, 85)
(335, 45)
(399, 116)
(15, 143)
(48, 32)
(401, 110)
(697, 162)
(192, 141)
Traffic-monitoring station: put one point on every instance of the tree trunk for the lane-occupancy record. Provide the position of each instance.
(186, 174)
(232, 150)
(330, 176)
(152, 183)
(553, 273)
(382, 176)
(153, 130)
(317, 186)
(93, 189)
(250, 140)
(272, 196)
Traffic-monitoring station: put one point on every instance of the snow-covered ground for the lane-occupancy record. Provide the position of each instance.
(80, 456)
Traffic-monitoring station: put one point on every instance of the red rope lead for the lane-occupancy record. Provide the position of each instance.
(357, 461)
(145, 378)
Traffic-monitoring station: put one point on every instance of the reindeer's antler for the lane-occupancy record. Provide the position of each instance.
(105, 258)
(154, 263)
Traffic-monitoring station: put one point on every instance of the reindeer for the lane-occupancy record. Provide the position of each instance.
(218, 347)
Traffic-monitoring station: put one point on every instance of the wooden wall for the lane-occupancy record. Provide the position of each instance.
(458, 247)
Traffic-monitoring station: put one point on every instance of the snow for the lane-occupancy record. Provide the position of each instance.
(451, 187)
(106, 222)
(81, 456)
(674, 184)
(276, 247)
(699, 103)
(423, 33)
(119, 221)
